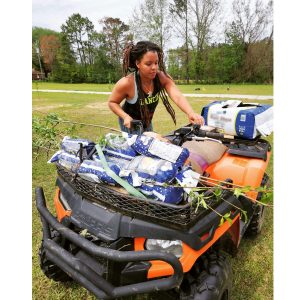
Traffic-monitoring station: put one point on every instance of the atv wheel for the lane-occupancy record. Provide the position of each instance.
(256, 222)
(255, 225)
(215, 281)
(51, 270)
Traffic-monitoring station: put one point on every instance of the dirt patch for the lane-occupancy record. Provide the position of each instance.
(101, 106)
(48, 107)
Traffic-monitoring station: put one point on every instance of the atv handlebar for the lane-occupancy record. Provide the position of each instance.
(87, 277)
(136, 125)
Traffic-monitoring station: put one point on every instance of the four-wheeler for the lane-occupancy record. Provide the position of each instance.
(119, 246)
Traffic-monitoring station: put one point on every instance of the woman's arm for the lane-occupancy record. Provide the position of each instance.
(179, 99)
(118, 94)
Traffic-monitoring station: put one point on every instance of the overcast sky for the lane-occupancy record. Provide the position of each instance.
(53, 13)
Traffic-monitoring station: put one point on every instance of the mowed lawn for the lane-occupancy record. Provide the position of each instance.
(243, 89)
(253, 265)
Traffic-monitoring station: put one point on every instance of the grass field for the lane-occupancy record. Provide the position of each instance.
(245, 89)
(253, 265)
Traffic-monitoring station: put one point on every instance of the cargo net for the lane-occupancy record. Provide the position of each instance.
(181, 216)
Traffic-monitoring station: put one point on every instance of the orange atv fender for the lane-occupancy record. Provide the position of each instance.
(189, 256)
(60, 210)
(244, 171)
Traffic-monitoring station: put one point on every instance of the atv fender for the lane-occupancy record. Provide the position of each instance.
(242, 170)
(189, 255)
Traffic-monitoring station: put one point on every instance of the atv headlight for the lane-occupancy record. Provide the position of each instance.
(174, 247)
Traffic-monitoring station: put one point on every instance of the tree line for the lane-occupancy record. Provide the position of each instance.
(213, 45)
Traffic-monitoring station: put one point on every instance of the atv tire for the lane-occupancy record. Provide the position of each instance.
(209, 279)
(215, 281)
(51, 270)
(256, 223)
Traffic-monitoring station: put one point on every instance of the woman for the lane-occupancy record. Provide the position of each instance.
(143, 88)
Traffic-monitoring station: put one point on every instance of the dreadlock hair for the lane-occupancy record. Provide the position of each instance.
(133, 53)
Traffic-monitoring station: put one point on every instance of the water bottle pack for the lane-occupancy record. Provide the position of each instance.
(72, 146)
(150, 165)
(149, 146)
(94, 171)
(66, 160)
(117, 146)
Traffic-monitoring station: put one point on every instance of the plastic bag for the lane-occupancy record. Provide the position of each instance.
(148, 169)
(72, 146)
(147, 190)
(117, 146)
(188, 179)
(93, 171)
(66, 160)
(167, 194)
(152, 147)
(120, 162)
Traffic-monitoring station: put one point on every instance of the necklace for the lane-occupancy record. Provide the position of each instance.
(148, 90)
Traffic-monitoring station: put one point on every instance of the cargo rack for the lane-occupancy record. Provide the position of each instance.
(180, 216)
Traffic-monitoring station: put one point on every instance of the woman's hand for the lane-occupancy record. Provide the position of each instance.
(127, 121)
(196, 118)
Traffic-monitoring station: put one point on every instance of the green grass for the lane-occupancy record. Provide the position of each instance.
(244, 89)
(253, 265)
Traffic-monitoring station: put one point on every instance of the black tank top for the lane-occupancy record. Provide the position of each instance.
(132, 106)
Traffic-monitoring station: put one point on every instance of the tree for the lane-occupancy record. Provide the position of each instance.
(37, 57)
(251, 20)
(116, 35)
(204, 15)
(151, 22)
(65, 67)
(38, 32)
(252, 23)
(103, 70)
(180, 13)
(223, 63)
(79, 32)
(49, 45)
(176, 61)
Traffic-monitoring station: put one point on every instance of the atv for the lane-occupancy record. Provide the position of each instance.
(120, 246)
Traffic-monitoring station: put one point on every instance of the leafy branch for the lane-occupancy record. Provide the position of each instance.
(214, 192)
(46, 135)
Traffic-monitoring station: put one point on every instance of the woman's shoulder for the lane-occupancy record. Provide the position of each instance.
(126, 81)
(164, 78)
(124, 87)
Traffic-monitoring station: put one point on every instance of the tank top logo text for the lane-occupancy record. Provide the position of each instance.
(150, 100)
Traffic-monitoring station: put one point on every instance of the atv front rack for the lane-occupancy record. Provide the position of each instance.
(170, 215)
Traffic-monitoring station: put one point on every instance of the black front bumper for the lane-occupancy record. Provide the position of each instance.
(87, 277)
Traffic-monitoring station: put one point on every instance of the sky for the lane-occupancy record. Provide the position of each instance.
(53, 13)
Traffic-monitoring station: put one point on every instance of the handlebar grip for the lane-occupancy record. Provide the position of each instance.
(136, 125)
(214, 135)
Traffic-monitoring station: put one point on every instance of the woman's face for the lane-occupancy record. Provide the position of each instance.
(148, 65)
